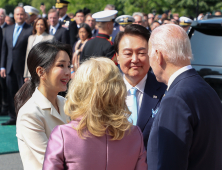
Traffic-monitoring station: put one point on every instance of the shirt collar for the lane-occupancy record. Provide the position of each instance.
(61, 19)
(17, 25)
(56, 27)
(177, 73)
(140, 86)
(3, 24)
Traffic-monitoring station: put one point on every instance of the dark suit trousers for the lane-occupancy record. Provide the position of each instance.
(3, 94)
(14, 82)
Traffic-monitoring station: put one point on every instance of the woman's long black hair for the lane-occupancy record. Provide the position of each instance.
(42, 54)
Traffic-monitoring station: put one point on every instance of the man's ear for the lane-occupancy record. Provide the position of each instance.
(159, 57)
(41, 72)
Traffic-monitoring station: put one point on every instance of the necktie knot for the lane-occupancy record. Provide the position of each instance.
(133, 91)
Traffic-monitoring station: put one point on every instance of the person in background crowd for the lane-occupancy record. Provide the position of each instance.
(99, 135)
(124, 20)
(3, 24)
(40, 33)
(38, 104)
(217, 13)
(150, 19)
(14, 47)
(27, 17)
(115, 24)
(200, 16)
(176, 16)
(71, 15)
(156, 17)
(42, 8)
(163, 17)
(173, 21)
(138, 16)
(9, 20)
(33, 14)
(84, 35)
(80, 17)
(92, 23)
(144, 93)
(101, 45)
(61, 34)
(3, 87)
(145, 21)
(73, 28)
(61, 6)
(154, 25)
(185, 23)
(166, 21)
(187, 129)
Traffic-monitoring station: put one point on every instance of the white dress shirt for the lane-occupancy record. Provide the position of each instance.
(139, 93)
(54, 28)
(176, 74)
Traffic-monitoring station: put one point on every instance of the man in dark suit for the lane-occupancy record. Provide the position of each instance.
(187, 129)
(3, 87)
(61, 34)
(92, 23)
(131, 48)
(74, 26)
(61, 6)
(13, 57)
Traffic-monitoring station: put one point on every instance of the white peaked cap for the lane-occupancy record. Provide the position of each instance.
(105, 16)
(31, 10)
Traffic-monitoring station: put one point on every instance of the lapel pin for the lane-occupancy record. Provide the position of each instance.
(154, 96)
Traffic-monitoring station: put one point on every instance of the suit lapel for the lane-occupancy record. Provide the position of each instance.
(32, 40)
(47, 107)
(21, 35)
(151, 98)
(57, 31)
(11, 36)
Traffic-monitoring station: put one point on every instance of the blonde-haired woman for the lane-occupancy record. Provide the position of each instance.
(99, 135)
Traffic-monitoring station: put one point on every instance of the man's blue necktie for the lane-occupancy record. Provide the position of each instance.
(16, 34)
(51, 31)
(134, 105)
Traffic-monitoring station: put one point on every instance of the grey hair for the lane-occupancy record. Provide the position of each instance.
(172, 41)
(138, 14)
(110, 7)
(3, 10)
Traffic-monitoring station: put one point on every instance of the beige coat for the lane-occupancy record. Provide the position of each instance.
(36, 119)
(31, 40)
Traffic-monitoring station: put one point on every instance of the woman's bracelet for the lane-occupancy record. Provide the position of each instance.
(72, 72)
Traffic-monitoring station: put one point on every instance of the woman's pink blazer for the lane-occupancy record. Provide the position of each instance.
(66, 150)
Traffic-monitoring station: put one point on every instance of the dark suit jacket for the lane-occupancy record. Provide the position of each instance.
(15, 56)
(65, 20)
(62, 35)
(73, 32)
(153, 93)
(187, 130)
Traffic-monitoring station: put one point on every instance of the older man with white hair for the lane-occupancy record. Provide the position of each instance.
(138, 16)
(187, 129)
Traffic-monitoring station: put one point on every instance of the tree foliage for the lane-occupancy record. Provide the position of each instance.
(183, 7)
